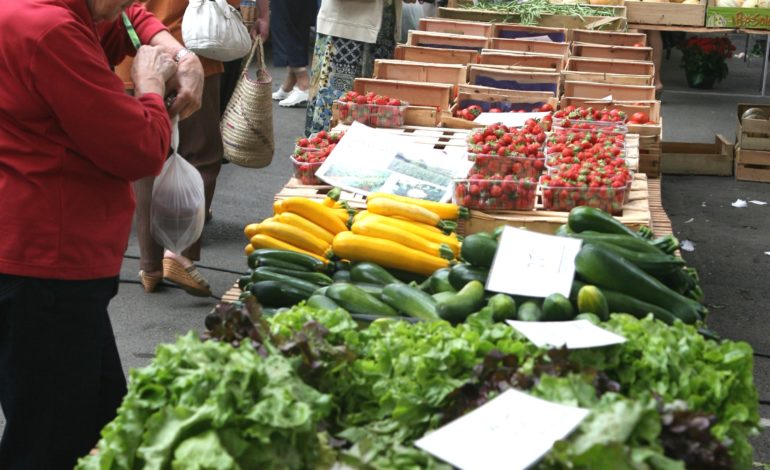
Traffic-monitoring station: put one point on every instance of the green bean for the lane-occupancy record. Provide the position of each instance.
(530, 12)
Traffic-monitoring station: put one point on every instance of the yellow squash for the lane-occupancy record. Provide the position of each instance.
(387, 253)
(411, 227)
(392, 208)
(315, 212)
(372, 228)
(290, 218)
(294, 236)
(442, 209)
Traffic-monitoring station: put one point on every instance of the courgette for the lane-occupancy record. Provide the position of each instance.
(529, 311)
(255, 260)
(371, 273)
(309, 262)
(356, 300)
(503, 307)
(322, 302)
(623, 241)
(411, 301)
(468, 300)
(655, 264)
(622, 303)
(479, 249)
(243, 281)
(262, 274)
(461, 274)
(278, 293)
(315, 277)
(442, 296)
(556, 307)
(584, 218)
(607, 270)
(439, 281)
(591, 300)
(371, 289)
(563, 230)
(341, 275)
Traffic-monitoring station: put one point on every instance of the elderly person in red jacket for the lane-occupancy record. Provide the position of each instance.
(71, 142)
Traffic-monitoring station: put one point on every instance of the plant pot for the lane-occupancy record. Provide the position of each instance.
(700, 80)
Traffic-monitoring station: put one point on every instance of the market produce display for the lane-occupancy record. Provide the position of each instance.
(371, 109)
(472, 111)
(308, 387)
(310, 153)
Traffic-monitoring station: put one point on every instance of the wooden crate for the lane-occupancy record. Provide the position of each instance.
(514, 80)
(636, 213)
(492, 97)
(651, 107)
(435, 55)
(609, 38)
(530, 45)
(616, 22)
(661, 224)
(648, 133)
(609, 92)
(686, 158)
(436, 95)
(521, 59)
(601, 51)
(649, 160)
(669, 14)
(528, 32)
(752, 165)
(621, 72)
(454, 74)
(428, 116)
(752, 134)
(447, 41)
(470, 28)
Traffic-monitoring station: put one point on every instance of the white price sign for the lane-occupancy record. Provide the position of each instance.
(574, 334)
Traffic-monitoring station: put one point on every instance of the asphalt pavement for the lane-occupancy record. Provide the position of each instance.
(731, 244)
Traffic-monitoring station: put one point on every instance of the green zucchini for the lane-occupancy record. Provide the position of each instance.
(503, 307)
(623, 241)
(243, 281)
(556, 307)
(315, 277)
(442, 296)
(255, 260)
(371, 289)
(607, 270)
(371, 273)
(356, 300)
(461, 274)
(341, 275)
(278, 293)
(261, 274)
(529, 311)
(439, 281)
(479, 250)
(321, 290)
(405, 276)
(410, 300)
(584, 218)
(622, 303)
(563, 230)
(655, 264)
(301, 259)
(468, 300)
(591, 300)
(322, 302)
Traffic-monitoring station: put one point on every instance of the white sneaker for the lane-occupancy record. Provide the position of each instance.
(280, 94)
(295, 98)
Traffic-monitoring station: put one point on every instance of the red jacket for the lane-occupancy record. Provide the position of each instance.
(71, 140)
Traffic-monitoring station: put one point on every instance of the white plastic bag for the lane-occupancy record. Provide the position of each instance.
(177, 212)
(214, 29)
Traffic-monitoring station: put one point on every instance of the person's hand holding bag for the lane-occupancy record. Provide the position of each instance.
(187, 84)
(151, 70)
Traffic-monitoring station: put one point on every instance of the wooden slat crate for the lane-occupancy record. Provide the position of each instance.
(604, 90)
(454, 74)
(492, 97)
(752, 133)
(519, 31)
(619, 72)
(447, 41)
(661, 224)
(522, 59)
(663, 13)
(610, 38)
(602, 51)
(435, 55)
(752, 165)
(649, 161)
(438, 95)
(232, 294)
(636, 213)
(514, 80)
(616, 22)
(529, 45)
(471, 28)
(684, 158)
(651, 107)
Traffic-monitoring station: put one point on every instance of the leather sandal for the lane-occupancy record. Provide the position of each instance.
(149, 282)
(189, 279)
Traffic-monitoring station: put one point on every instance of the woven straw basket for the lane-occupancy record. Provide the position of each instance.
(247, 123)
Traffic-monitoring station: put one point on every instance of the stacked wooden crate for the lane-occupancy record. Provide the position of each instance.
(752, 144)
(615, 69)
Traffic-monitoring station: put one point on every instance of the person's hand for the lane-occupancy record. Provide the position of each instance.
(151, 69)
(187, 84)
(261, 28)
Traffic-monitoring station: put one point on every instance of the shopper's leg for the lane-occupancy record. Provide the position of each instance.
(60, 377)
(656, 43)
(150, 252)
(200, 143)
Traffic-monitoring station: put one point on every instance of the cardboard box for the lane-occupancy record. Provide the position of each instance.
(435, 55)
(530, 45)
(748, 18)
(601, 51)
(522, 59)
(470, 28)
(664, 13)
(752, 165)
(684, 158)
(609, 38)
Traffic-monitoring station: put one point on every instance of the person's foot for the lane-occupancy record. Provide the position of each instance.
(150, 279)
(281, 94)
(297, 97)
(181, 271)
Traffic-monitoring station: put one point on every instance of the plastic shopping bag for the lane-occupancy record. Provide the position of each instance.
(178, 206)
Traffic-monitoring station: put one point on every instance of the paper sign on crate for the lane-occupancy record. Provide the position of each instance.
(533, 264)
(511, 432)
(576, 334)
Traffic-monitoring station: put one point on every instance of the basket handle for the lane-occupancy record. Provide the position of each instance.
(256, 46)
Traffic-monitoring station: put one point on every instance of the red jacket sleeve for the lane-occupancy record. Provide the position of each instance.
(122, 135)
(114, 37)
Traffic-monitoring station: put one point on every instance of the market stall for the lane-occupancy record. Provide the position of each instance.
(472, 267)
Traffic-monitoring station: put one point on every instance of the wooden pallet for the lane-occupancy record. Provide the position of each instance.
(232, 294)
(661, 224)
